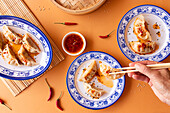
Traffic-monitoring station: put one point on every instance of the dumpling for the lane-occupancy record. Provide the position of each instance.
(144, 45)
(30, 45)
(90, 72)
(115, 76)
(93, 91)
(106, 70)
(25, 58)
(142, 48)
(140, 29)
(11, 35)
(1, 42)
(9, 56)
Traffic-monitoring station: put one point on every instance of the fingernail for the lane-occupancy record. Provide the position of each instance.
(129, 74)
(130, 64)
(133, 76)
(137, 65)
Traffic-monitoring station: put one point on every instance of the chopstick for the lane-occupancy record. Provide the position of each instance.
(153, 66)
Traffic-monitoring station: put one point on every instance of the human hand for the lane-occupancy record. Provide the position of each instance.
(159, 80)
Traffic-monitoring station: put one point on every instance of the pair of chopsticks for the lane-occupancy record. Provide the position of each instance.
(133, 69)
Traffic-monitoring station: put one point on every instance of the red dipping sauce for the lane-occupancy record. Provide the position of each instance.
(73, 43)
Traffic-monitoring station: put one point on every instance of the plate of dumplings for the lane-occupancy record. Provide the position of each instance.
(90, 83)
(143, 33)
(25, 52)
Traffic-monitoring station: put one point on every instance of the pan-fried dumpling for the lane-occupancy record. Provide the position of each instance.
(9, 56)
(1, 42)
(30, 45)
(142, 48)
(115, 76)
(140, 29)
(105, 70)
(89, 74)
(11, 35)
(93, 91)
(25, 58)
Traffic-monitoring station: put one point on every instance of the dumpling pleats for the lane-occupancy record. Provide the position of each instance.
(93, 91)
(140, 29)
(9, 56)
(1, 42)
(30, 45)
(142, 48)
(11, 36)
(106, 70)
(25, 58)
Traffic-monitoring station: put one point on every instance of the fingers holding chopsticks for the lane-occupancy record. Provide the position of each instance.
(140, 75)
(146, 73)
(152, 65)
(145, 70)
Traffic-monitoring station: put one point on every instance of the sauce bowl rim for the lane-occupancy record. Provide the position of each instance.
(84, 43)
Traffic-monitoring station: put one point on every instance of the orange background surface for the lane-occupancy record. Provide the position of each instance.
(135, 99)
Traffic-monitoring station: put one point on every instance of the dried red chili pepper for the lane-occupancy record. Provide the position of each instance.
(106, 36)
(50, 89)
(66, 23)
(57, 103)
(2, 102)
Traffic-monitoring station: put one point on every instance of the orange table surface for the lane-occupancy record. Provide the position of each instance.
(135, 98)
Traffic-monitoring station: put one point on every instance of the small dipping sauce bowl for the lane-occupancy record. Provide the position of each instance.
(73, 43)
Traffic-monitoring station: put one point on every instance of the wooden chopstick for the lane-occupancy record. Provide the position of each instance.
(153, 66)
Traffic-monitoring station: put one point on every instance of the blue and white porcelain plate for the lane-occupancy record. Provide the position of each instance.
(152, 14)
(43, 59)
(76, 89)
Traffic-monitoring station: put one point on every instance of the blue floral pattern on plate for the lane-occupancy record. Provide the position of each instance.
(143, 9)
(37, 33)
(77, 97)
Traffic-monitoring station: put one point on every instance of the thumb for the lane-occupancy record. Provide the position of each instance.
(152, 74)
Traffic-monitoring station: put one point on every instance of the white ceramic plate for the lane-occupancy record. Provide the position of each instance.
(22, 26)
(152, 14)
(76, 89)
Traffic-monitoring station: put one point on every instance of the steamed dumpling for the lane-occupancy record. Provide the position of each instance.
(90, 72)
(140, 29)
(1, 42)
(9, 56)
(30, 45)
(11, 35)
(25, 58)
(93, 91)
(142, 48)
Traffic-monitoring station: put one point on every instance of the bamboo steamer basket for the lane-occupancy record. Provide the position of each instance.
(78, 6)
